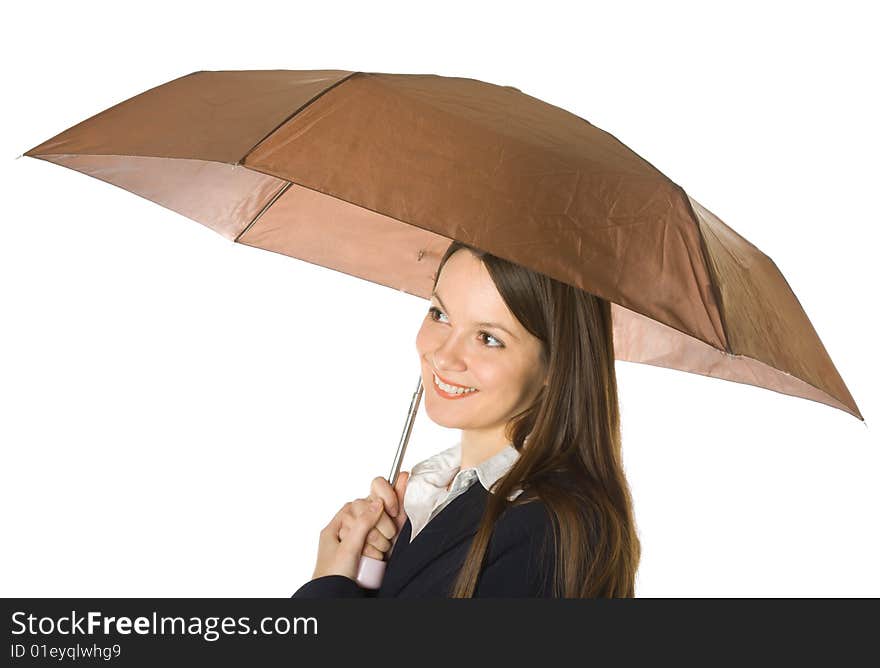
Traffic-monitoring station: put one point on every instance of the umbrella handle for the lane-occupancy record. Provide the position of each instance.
(372, 571)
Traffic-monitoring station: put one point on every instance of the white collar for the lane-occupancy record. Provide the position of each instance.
(441, 469)
(426, 491)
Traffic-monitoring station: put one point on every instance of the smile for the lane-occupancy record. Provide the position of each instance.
(448, 391)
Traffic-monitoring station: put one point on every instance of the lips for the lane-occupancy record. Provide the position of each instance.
(451, 396)
(464, 387)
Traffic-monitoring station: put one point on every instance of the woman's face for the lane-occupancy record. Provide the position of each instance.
(502, 363)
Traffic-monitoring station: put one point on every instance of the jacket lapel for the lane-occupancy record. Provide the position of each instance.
(455, 523)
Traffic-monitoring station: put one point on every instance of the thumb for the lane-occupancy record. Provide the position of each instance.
(356, 538)
(400, 484)
(400, 489)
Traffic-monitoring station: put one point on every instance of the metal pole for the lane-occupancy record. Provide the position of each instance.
(407, 430)
(371, 571)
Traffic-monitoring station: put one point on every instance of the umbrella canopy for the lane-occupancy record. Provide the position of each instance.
(374, 174)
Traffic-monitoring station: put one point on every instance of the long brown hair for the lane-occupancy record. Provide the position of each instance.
(573, 460)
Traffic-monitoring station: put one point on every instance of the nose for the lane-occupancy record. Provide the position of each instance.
(447, 356)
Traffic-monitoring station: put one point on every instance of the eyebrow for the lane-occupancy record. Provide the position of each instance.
(494, 325)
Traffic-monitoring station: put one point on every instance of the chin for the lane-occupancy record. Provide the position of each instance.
(445, 418)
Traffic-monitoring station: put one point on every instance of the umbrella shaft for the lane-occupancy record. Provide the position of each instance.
(407, 430)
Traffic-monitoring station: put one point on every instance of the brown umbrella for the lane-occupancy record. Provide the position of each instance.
(374, 174)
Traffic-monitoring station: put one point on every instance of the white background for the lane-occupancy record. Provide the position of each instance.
(181, 415)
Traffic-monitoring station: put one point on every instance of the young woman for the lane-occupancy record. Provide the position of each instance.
(532, 501)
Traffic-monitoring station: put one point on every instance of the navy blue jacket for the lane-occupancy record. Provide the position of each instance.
(520, 562)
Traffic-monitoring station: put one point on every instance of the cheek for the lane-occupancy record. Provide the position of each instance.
(422, 339)
(428, 339)
(509, 380)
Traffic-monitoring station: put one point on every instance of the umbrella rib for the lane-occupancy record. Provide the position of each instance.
(704, 253)
(295, 112)
(263, 210)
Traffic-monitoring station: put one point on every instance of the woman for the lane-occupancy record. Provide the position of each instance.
(532, 501)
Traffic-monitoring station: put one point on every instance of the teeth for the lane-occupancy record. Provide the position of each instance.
(451, 389)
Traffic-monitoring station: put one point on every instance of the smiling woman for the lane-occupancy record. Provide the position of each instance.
(532, 501)
(506, 366)
(544, 374)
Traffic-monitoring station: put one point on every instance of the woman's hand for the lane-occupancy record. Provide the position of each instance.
(341, 556)
(380, 540)
(361, 528)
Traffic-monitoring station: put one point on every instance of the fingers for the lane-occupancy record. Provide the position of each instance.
(377, 545)
(353, 543)
(384, 529)
(335, 524)
(393, 498)
(378, 541)
(385, 526)
(381, 489)
(330, 534)
(370, 551)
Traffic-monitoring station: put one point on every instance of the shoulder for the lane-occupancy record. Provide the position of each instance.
(527, 516)
(521, 555)
(528, 524)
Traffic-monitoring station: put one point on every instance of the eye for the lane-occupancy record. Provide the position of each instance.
(432, 311)
(486, 334)
(436, 311)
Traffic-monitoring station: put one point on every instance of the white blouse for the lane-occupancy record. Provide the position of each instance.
(426, 493)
